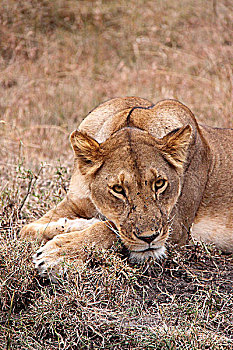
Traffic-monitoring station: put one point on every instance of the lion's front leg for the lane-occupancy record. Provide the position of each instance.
(72, 245)
(64, 218)
(46, 231)
(43, 231)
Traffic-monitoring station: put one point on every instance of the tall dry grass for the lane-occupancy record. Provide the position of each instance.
(60, 59)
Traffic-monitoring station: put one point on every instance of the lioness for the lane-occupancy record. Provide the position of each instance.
(141, 172)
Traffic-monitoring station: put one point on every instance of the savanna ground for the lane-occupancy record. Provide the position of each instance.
(58, 60)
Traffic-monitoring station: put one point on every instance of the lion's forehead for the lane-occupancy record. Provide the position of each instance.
(136, 158)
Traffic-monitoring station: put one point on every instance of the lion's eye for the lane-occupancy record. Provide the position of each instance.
(118, 189)
(158, 184)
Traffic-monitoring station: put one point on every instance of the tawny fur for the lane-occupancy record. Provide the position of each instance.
(144, 172)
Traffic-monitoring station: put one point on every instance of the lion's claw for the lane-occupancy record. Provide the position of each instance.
(47, 260)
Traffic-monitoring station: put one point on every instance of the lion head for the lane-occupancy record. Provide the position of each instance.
(134, 181)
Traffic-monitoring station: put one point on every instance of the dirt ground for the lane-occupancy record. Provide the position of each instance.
(58, 60)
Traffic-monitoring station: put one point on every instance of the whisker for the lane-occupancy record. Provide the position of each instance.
(128, 239)
(171, 219)
(108, 224)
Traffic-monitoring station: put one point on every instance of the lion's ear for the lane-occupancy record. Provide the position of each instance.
(174, 145)
(87, 151)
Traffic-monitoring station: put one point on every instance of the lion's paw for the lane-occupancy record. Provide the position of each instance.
(31, 231)
(79, 224)
(49, 259)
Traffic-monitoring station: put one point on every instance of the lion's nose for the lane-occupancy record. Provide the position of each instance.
(146, 238)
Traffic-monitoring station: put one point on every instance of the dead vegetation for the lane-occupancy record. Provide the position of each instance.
(59, 59)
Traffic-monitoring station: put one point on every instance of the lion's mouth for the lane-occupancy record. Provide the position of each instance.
(151, 252)
(150, 249)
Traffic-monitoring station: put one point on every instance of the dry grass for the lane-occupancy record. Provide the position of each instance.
(59, 59)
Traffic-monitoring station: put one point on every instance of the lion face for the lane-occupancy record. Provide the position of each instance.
(135, 181)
